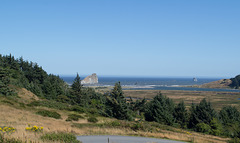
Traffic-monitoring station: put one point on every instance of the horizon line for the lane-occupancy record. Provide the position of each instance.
(145, 76)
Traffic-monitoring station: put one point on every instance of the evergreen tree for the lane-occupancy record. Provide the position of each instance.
(116, 105)
(117, 91)
(229, 115)
(77, 89)
(31, 76)
(139, 105)
(4, 82)
(202, 113)
(192, 117)
(160, 109)
(216, 127)
(181, 115)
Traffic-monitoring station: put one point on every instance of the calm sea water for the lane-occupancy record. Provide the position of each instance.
(150, 83)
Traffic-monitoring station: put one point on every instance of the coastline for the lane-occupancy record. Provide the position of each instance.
(163, 87)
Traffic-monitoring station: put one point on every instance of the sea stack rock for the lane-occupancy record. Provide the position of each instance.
(91, 79)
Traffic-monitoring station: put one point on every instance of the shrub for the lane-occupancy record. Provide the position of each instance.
(216, 127)
(74, 117)
(8, 102)
(77, 109)
(204, 128)
(46, 113)
(34, 103)
(115, 123)
(92, 119)
(50, 104)
(62, 137)
(234, 140)
(93, 111)
(137, 126)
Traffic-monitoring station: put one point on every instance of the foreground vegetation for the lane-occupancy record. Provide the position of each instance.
(30, 126)
(70, 106)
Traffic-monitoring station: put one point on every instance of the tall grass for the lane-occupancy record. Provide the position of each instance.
(6, 140)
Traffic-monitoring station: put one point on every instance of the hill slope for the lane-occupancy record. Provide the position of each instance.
(23, 115)
(223, 83)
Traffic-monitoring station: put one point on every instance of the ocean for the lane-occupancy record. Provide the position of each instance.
(151, 83)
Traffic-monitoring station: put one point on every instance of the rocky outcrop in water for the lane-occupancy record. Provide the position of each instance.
(91, 79)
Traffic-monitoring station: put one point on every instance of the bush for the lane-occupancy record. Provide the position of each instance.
(93, 111)
(46, 113)
(92, 119)
(77, 109)
(8, 102)
(115, 123)
(137, 126)
(204, 128)
(216, 126)
(234, 140)
(34, 103)
(74, 117)
(62, 137)
(50, 104)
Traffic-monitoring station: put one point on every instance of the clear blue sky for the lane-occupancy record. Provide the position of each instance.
(124, 37)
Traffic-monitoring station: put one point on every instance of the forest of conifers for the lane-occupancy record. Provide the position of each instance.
(18, 73)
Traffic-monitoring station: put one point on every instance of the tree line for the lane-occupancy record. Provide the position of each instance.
(199, 117)
(30, 76)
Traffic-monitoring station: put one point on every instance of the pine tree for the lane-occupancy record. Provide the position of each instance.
(160, 109)
(202, 113)
(229, 115)
(4, 82)
(77, 89)
(216, 127)
(116, 105)
(180, 114)
(117, 91)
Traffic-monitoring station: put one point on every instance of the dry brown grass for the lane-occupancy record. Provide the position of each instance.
(20, 119)
(26, 95)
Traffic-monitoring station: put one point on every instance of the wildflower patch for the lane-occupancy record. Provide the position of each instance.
(34, 128)
(6, 129)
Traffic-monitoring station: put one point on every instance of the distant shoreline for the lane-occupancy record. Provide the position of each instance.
(133, 83)
(181, 88)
